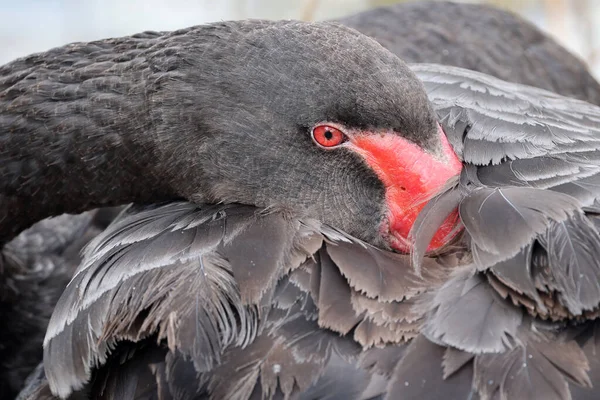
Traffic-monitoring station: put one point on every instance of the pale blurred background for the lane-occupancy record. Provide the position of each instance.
(35, 25)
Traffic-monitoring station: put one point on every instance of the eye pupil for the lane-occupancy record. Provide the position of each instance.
(328, 135)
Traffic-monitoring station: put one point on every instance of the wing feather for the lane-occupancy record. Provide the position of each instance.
(166, 270)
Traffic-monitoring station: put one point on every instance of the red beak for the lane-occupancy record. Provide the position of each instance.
(411, 177)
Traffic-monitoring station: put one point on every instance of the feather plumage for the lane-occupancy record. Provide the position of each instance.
(534, 369)
(468, 315)
(257, 303)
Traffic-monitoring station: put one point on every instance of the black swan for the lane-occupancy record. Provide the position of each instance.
(284, 278)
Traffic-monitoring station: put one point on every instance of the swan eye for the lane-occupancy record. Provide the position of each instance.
(328, 136)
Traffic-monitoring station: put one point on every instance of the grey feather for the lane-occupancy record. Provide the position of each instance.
(521, 121)
(369, 333)
(573, 247)
(383, 360)
(539, 172)
(502, 221)
(467, 314)
(105, 302)
(335, 306)
(429, 220)
(342, 380)
(385, 275)
(386, 312)
(256, 266)
(385, 323)
(517, 273)
(36, 386)
(589, 340)
(586, 190)
(454, 360)
(533, 370)
(288, 358)
(419, 375)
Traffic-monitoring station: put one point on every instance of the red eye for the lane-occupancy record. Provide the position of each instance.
(328, 136)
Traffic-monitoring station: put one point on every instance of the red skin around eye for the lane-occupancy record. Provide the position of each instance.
(328, 136)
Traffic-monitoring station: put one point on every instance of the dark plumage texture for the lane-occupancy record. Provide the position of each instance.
(278, 324)
(157, 103)
(480, 38)
(68, 116)
(512, 201)
(478, 320)
(241, 302)
(35, 268)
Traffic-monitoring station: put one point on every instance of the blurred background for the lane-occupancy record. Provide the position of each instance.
(35, 25)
